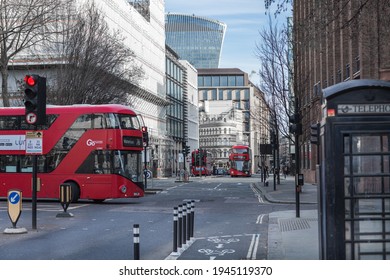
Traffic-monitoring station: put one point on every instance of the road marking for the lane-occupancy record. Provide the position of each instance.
(218, 186)
(253, 247)
(260, 218)
(257, 194)
(55, 208)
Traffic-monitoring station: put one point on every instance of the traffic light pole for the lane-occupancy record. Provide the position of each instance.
(297, 160)
(35, 114)
(34, 191)
(298, 171)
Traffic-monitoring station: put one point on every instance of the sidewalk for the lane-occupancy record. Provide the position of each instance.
(289, 237)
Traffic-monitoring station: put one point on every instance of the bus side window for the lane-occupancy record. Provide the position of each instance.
(98, 121)
(112, 121)
(83, 122)
(9, 164)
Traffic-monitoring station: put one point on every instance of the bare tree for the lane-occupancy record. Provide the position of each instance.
(96, 66)
(274, 72)
(23, 24)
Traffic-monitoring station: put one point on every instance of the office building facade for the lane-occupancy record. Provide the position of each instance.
(196, 39)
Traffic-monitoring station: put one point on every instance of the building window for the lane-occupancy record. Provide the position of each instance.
(237, 95)
(338, 76)
(207, 81)
(347, 71)
(240, 81)
(205, 95)
(229, 95)
(214, 94)
(220, 94)
(232, 81)
(246, 94)
(215, 81)
(224, 81)
(200, 81)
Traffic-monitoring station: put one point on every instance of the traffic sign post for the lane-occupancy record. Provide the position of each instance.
(34, 147)
(14, 198)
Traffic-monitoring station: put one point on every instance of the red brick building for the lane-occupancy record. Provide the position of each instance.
(335, 41)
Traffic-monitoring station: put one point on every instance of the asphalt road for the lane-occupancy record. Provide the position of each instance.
(231, 222)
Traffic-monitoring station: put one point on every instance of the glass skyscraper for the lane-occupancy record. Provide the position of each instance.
(195, 39)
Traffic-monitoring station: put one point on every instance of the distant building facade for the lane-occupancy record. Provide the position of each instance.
(182, 111)
(196, 39)
(191, 91)
(231, 111)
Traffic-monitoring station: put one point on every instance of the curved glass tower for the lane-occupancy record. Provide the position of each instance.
(195, 39)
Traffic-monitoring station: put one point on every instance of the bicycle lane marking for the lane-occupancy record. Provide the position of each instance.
(228, 247)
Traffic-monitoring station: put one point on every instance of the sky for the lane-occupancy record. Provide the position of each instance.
(244, 20)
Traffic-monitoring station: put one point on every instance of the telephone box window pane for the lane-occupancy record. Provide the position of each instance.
(369, 144)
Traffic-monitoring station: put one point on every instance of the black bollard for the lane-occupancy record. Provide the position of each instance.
(189, 222)
(175, 214)
(179, 227)
(192, 217)
(136, 241)
(184, 238)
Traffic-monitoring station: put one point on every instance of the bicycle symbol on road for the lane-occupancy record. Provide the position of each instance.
(220, 243)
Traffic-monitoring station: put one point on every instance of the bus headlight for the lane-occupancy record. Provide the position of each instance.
(123, 189)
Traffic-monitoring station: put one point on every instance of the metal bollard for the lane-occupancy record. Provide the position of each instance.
(136, 241)
(179, 227)
(192, 217)
(189, 221)
(175, 214)
(184, 223)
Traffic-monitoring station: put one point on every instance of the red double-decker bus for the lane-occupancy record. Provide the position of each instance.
(95, 148)
(201, 163)
(240, 161)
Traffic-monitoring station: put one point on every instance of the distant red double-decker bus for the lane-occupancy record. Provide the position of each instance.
(95, 148)
(240, 161)
(201, 163)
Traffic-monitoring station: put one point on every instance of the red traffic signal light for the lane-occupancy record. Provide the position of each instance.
(30, 80)
(145, 136)
(35, 99)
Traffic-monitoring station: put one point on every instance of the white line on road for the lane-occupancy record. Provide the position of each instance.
(260, 218)
(253, 247)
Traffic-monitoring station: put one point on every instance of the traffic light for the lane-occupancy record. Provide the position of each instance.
(186, 150)
(145, 136)
(295, 124)
(35, 99)
(274, 141)
(315, 134)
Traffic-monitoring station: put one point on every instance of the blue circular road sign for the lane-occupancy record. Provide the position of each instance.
(14, 197)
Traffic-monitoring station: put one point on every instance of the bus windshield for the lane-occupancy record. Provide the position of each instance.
(128, 164)
(122, 121)
(239, 151)
(240, 165)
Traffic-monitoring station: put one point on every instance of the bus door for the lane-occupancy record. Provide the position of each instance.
(354, 195)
